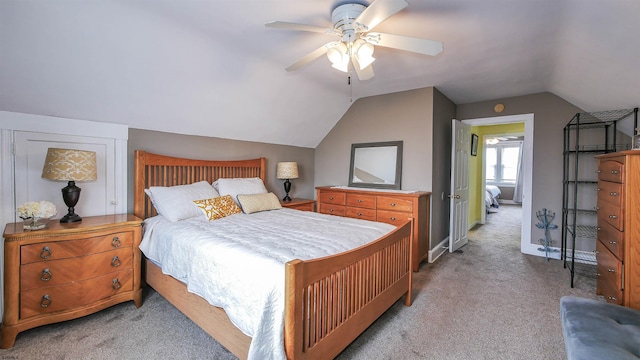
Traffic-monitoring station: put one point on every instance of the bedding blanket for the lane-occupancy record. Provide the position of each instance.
(237, 262)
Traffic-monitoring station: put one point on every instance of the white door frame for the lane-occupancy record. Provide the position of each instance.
(526, 247)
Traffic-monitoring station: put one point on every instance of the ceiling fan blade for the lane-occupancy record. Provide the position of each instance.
(364, 74)
(311, 56)
(300, 27)
(379, 11)
(422, 46)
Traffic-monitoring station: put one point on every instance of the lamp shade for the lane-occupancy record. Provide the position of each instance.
(70, 165)
(287, 170)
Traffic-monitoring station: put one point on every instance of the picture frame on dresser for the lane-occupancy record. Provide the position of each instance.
(376, 165)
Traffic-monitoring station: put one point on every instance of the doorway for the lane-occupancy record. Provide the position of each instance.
(526, 246)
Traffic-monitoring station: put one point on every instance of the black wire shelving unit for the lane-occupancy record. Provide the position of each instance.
(586, 135)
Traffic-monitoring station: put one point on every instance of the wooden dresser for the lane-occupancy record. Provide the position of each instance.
(299, 204)
(68, 270)
(383, 206)
(618, 246)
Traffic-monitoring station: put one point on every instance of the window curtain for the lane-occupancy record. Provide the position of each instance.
(517, 192)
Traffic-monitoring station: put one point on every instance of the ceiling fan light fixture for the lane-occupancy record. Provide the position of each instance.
(364, 55)
(338, 57)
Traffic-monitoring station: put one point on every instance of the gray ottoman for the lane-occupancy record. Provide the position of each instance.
(598, 330)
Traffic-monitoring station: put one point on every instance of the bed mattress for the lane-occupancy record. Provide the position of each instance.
(237, 262)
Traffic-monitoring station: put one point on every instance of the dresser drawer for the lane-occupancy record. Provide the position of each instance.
(359, 200)
(336, 198)
(361, 213)
(611, 238)
(611, 293)
(394, 204)
(611, 192)
(66, 249)
(393, 217)
(611, 214)
(73, 295)
(56, 272)
(332, 209)
(609, 268)
(611, 169)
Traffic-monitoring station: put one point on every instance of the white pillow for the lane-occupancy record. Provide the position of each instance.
(176, 202)
(235, 186)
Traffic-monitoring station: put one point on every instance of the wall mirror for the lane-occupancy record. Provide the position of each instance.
(376, 165)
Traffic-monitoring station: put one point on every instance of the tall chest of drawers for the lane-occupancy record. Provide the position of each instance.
(618, 246)
(69, 270)
(383, 206)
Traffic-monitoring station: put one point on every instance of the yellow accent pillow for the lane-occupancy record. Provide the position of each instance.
(258, 202)
(218, 207)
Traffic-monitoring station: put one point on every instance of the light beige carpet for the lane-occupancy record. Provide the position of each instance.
(487, 301)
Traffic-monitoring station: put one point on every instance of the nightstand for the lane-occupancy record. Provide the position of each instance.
(68, 270)
(299, 204)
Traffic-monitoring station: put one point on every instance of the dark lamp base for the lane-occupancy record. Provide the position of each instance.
(71, 195)
(70, 218)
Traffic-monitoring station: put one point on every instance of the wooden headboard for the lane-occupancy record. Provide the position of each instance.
(160, 170)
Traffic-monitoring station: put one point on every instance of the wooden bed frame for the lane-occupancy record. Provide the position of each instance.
(328, 301)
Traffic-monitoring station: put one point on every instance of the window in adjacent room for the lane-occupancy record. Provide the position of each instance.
(502, 162)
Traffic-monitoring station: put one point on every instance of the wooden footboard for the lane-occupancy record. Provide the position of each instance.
(332, 300)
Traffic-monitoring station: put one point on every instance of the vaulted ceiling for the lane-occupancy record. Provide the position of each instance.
(211, 68)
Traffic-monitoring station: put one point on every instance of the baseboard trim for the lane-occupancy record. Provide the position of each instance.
(474, 224)
(438, 250)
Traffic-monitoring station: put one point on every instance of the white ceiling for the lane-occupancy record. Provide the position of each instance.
(211, 68)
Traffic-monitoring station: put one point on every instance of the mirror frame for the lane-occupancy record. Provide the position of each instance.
(397, 165)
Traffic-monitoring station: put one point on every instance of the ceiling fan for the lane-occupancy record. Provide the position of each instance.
(352, 23)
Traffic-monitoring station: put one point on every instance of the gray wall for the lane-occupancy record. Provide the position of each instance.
(405, 116)
(551, 114)
(208, 148)
(443, 112)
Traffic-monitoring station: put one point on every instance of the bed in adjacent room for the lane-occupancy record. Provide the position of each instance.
(266, 282)
(492, 194)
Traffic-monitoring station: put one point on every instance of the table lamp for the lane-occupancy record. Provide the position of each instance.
(287, 170)
(70, 165)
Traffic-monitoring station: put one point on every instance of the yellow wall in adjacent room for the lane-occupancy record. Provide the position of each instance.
(476, 193)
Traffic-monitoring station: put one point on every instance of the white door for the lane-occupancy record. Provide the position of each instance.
(459, 196)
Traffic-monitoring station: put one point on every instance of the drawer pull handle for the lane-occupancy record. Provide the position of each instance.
(45, 253)
(393, 218)
(597, 207)
(330, 197)
(115, 284)
(359, 200)
(598, 171)
(393, 204)
(615, 172)
(596, 189)
(46, 301)
(330, 210)
(598, 274)
(115, 262)
(613, 193)
(611, 270)
(613, 216)
(613, 242)
(612, 298)
(359, 214)
(46, 275)
(116, 242)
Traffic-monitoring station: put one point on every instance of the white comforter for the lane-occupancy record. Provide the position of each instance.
(237, 262)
